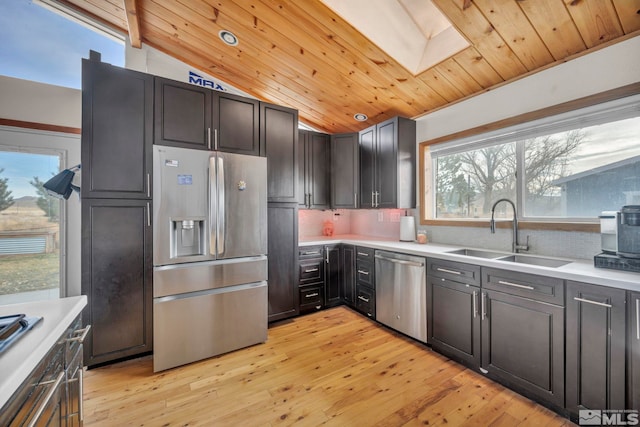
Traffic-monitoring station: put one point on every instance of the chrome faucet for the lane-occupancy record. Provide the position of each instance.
(515, 247)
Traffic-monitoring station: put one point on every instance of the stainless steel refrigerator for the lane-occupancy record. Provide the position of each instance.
(210, 246)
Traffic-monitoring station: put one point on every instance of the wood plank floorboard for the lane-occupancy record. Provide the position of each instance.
(333, 367)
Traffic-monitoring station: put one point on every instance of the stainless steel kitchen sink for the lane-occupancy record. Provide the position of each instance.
(535, 260)
(476, 253)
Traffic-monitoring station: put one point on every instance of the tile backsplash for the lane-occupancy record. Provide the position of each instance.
(385, 223)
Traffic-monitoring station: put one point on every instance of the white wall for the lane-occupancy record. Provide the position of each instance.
(42, 103)
(602, 70)
(152, 61)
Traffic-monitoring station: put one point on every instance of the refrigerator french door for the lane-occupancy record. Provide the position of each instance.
(210, 245)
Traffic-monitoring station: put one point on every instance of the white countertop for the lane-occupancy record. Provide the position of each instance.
(578, 270)
(18, 360)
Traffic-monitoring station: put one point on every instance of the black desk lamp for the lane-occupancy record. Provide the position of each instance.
(60, 185)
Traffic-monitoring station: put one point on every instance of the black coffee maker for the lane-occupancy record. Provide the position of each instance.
(629, 231)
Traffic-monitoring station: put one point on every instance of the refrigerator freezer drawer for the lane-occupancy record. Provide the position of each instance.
(192, 327)
(192, 277)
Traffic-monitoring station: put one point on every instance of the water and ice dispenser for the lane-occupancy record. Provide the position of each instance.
(187, 237)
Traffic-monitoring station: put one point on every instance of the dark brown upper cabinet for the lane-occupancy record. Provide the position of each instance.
(388, 164)
(279, 139)
(345, 171)
(191, 116)
(117, 132)
(314, 153)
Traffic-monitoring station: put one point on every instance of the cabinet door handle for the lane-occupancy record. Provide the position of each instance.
(377, 199)
(638, 319)
(311, 270)
(602, 304)
(326, 256)
(148, 214)
(315, 294)
(215, 139)
(484, 307)
(209, 138)
(355, 200)
(361, 298)
(82, 334)
(373, 205)
(81, 393)
(366, 273)
(148, 185)
(363, 254)
(47, 399)
(475, 304)
(444, 270)
(502, 282)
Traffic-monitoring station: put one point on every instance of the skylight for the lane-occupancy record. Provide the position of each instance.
(414, 32)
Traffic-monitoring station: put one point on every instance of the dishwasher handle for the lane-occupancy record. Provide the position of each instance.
(400, 261)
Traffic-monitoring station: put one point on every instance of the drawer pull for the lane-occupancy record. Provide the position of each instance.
(361, 298)
(311, 270)
(311, 253)
(318, 307)
(602, 304)
(81, 334)
(502, 282)
(366, 273)
(363, 254)
(315, 294)
(444, 270)
(40, 410)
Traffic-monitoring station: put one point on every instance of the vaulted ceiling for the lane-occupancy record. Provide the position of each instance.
(301, 54)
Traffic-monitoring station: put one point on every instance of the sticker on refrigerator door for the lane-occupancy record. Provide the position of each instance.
(171, 163)
(242, 185)
(185, 179)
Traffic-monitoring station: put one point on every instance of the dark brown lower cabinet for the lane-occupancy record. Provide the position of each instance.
(366, 300)
(633, 387)
(348, 289)
(333, 275)
(595, 348)
(454, 320)
(117, 273)
(282, 225)
(453, 310)
(523, 345)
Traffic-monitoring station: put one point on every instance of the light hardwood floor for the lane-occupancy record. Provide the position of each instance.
(332, 367)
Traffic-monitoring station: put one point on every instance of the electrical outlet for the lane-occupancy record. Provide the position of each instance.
(395, 217)
(380, 216)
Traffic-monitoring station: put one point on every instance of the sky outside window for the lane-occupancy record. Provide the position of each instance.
(40, 45)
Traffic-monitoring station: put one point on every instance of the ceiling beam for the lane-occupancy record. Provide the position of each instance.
(133, 22)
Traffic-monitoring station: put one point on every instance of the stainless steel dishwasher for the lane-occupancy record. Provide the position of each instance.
(401, 293)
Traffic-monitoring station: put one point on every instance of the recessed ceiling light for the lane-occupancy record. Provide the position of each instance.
(360, 117)
(228, 37)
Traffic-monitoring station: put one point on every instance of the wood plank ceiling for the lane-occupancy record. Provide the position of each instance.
(300, 54)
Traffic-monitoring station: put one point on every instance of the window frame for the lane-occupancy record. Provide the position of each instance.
(38, 137)
(585, 225)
